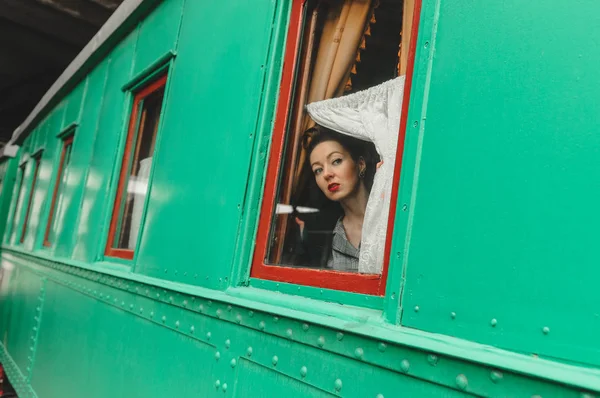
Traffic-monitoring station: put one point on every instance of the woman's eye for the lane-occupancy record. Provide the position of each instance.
(317, 171)
(337, 161)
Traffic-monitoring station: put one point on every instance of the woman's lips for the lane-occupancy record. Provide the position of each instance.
(333, 187)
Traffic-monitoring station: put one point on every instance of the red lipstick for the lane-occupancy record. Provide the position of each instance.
(333, 187)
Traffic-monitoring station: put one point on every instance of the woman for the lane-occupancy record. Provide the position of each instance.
(343, 168)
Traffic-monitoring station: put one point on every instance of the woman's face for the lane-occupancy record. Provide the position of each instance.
(335, 171)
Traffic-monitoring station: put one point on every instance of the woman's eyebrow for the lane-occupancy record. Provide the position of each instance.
(313, 163)
(332, 153)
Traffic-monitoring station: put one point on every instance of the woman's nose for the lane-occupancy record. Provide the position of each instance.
(328, 173)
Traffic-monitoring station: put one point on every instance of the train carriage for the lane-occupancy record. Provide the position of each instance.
(168, 227)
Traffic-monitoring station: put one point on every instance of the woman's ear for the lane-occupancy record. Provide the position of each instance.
(362, 166)
(362, 163)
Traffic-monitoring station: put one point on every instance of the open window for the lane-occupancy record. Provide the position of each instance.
(36, 159)
(129, 205)
(59, 186)
(322, 175)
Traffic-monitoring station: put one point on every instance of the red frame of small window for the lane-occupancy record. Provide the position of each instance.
(36, 168)
(127, 153)
(351, 282)
(66, 142)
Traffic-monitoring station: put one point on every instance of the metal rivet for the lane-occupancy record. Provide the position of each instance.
(192, 329)
(546, 330)
(462, 382)
(250, 314)
(303, 371)
(233, 363)
(238, 318)
(185, 303)
(171, 298)
(359, 353)
(164, 319)
(381, 347)
(249, 351)
(493, 322)
(305, 327)
(229, 308)
(405, 366)
(404, 208)
(416, 308)
(496, 376)
(321, 341)
(227, 343)
(208, 335)
(201, 307)
(218, 383)
(275, 360)
(177, 324)
(415, 123)
(432, 359)
(289, 333)
(536, 396)
(453, 315)
(217, 355)
(141, 310)
(340, 336)
(130, 306)
(261, 325)
(218, 313)
(152, 314)
(379, 396)
(338, 384)
(276, 318)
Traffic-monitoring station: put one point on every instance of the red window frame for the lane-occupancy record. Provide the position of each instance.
(110, 251)
(36, 168)
(351, 282)
(67, 142)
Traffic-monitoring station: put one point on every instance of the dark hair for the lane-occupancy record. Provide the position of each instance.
(355, 147)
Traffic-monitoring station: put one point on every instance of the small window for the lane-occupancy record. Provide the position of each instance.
(315, 230)
(59, 186)
(134, 176)
(18, 201)
(36, 168)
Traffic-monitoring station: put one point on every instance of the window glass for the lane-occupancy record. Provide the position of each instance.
(18, 201)
(137, 162)
(36, 169)
(348, 50)
(65, 159)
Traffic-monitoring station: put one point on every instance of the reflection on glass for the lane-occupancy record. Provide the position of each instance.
(18, 203)
(36, 169)
(136, 186)
(65, 160)
(326, 177)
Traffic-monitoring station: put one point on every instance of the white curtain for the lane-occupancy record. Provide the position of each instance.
(371, 115)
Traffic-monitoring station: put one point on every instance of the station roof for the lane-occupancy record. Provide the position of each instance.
(38, 40)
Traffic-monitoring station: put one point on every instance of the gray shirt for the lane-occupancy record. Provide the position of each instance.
(344, 256)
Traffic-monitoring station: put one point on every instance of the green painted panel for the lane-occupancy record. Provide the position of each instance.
(44, 139)
(202, 160)
(272, 383)
(74, 102)
(502, 222)
(111, 117)
(105, 352)
(23, 316)
(69, 210)
(158, 34)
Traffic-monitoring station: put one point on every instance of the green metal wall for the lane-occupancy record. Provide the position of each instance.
(491, 285)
